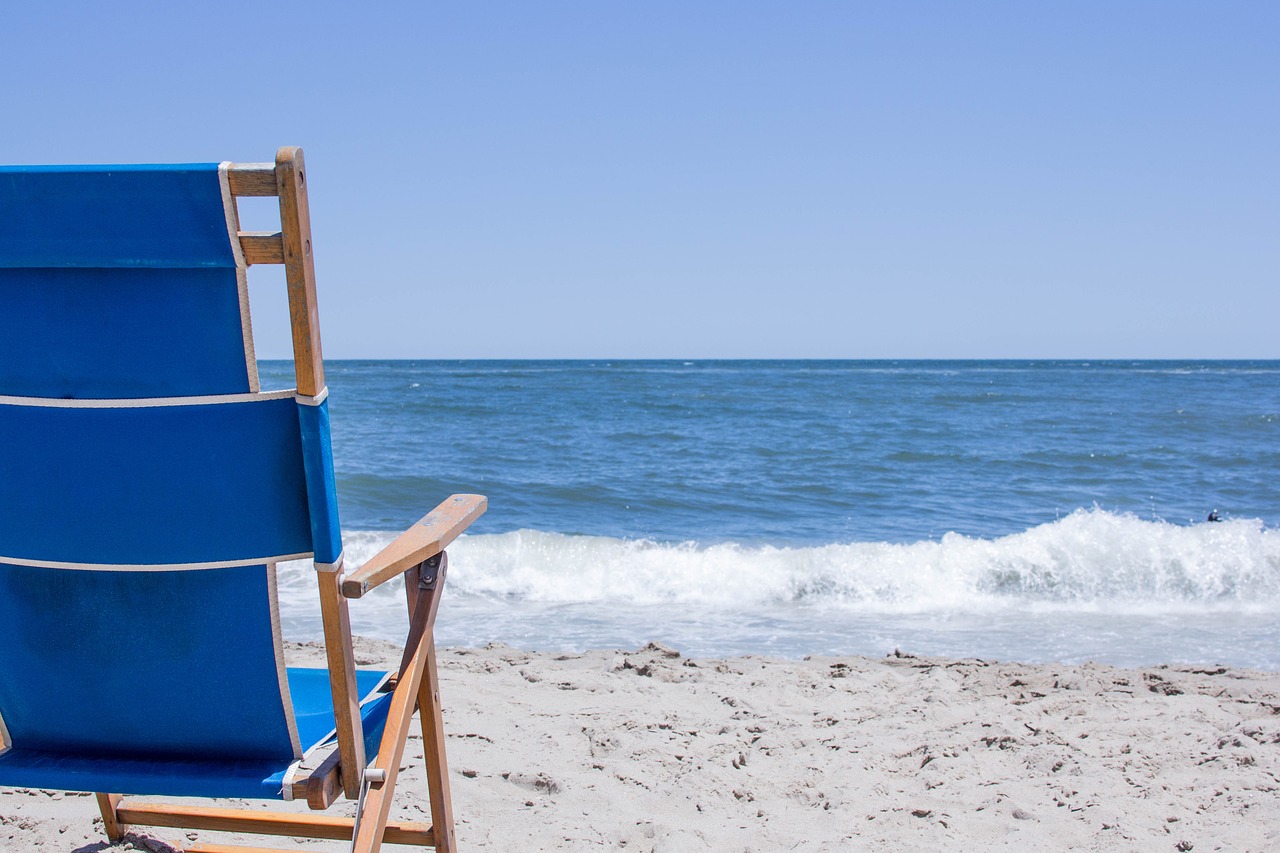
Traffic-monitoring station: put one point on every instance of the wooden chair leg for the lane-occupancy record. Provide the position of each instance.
(433, 753)
(432, 722)
(110, 824)
(375, 803)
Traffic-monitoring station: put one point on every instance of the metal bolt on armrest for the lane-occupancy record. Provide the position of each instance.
(431, 570)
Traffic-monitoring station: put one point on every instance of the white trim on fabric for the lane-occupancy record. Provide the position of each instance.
(232, 214)
(152, 567)
(246, 328)
(286, 784)
(145, 402)
(304, 400)
(282, 674)
(335, 566)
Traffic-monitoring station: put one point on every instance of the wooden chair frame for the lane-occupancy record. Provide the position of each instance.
(418, 555)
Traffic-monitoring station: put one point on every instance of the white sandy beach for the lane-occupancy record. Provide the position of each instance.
(651, 751)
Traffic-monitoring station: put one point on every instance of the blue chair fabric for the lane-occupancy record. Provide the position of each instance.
(147, 487)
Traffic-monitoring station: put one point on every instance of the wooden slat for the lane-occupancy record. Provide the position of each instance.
(262, 247)
(300, 270)
(253, 822)
(252, 179)
(342, 680)
(377, 800)
(236, 848)
(428, 537)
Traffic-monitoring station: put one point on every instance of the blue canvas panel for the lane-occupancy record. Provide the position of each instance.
(261, 779)
(313, 700)
(373, 715)
(322, 490)
(141, 664)
(111, 333)
(153, 485)
(113, 216)
(22, 768)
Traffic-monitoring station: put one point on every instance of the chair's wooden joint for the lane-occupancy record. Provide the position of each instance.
(431, 569)
(320, 786)
(107, 804)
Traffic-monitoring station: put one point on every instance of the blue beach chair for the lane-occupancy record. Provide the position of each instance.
(147, 490)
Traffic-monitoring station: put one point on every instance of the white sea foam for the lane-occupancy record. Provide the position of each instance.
(1091, 586)
(1090, 560)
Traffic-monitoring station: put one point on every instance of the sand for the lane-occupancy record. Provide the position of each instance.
(651, 751)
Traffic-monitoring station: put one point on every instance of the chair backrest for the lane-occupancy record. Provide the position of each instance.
(147, 486)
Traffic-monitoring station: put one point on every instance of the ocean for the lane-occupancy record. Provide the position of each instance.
(1016, 510)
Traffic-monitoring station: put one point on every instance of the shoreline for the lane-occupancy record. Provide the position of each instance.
(650, 750)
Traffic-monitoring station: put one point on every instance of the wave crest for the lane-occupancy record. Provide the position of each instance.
(1091, 559)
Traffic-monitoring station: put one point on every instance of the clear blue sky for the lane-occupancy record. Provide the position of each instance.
(715, 179)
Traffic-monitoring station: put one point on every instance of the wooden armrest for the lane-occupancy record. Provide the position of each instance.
(424, 540)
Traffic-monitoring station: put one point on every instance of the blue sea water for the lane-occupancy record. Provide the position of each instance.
(1000, 509)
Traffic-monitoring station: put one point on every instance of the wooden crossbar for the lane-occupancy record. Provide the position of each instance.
(252, 179)
(265, 823)
(262, 247)
(236, 848)
(257, 179)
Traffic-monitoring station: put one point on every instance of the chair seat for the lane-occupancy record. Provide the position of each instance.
(259, 779)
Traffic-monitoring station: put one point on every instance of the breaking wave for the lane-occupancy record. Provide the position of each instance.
(1089, 560)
